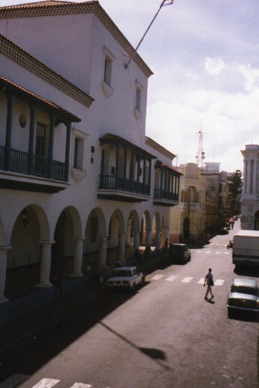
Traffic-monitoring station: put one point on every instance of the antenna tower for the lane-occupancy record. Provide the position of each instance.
(201, 154)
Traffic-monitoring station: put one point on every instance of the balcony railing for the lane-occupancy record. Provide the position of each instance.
(21, 162)
(113, 182)
(165, 195)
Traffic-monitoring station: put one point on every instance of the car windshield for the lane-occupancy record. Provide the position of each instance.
(245, 290)
(124, 272)
(178, 249)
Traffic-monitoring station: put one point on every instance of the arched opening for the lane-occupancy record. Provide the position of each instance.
(23, 259)
(256, 221)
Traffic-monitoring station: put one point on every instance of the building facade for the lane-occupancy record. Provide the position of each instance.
(187, 221)
(202, 208)
(250, 194)
(79, 178)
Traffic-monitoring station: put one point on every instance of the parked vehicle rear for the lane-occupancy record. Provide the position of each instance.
(179, 253)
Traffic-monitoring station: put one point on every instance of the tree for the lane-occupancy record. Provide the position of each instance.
(235, 182)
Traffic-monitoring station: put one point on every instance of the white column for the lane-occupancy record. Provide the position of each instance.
(249, 176)
(45, 264)
(3, 266)
(103, 250)
(245, 177)
(122, 239)
(254, 177)
(78, 258)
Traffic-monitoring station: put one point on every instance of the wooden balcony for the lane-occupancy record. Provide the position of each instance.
(117, 188)
(30, 166)
(165, 198)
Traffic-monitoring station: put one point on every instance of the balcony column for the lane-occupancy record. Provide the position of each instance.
(3, 265)
(45, 264)
(103, 250)
(122, 239)
(117, 165)
(50, 149)
(158, 238)
(31, 139)
(125, 167)
(68, 140)
(78, 258)
(8, 135)
(132, 170)
(144, 175)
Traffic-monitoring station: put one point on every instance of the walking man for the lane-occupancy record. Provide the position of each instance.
(209, 281)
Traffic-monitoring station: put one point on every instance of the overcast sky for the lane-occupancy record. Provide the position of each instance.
(205, 59)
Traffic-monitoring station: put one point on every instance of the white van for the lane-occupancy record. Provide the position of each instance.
(246, 248)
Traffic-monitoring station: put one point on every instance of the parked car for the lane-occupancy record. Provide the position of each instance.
(243, 296)
(126, 278)
(179, 253)
(224, 230)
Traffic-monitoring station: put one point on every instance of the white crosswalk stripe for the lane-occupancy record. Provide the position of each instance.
(187, 279)
(157, 277)
(46, 383)
(219, 282)
(16, 379)
(171, 278)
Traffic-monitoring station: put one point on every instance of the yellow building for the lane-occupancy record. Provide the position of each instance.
(187, 219)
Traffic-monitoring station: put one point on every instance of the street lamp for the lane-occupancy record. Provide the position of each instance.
(164, 2)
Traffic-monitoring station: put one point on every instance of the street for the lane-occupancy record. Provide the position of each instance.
(165, 335)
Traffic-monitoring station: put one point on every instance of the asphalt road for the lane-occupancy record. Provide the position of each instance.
(165, 335)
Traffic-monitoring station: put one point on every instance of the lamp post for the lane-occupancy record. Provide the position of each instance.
(164, 2)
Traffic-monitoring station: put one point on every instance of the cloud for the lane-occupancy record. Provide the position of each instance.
(214, 66)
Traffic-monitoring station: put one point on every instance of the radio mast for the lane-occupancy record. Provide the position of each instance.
(201, 154)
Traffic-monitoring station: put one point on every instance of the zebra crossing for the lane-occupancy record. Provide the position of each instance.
(186, 279)
(18, 378)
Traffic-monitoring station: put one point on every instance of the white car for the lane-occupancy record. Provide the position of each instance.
(126, 277)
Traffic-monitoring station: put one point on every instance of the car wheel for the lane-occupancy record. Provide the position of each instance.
(143, 281)
(133, 287)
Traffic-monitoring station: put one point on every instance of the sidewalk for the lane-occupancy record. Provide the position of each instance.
(22, 316)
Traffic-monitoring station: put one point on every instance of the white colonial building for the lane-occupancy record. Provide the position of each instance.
(250, 194)
(78, 175)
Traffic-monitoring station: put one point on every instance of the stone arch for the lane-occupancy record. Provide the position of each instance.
(145, 229)
(164, 231)
(132, 233)
(30, 227)
(67, 249)
(95, 227)
(116, 238)
(96, 238)
(156, 230)
(68, 227)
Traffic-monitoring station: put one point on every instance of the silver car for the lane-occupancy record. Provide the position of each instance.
(243, 296)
